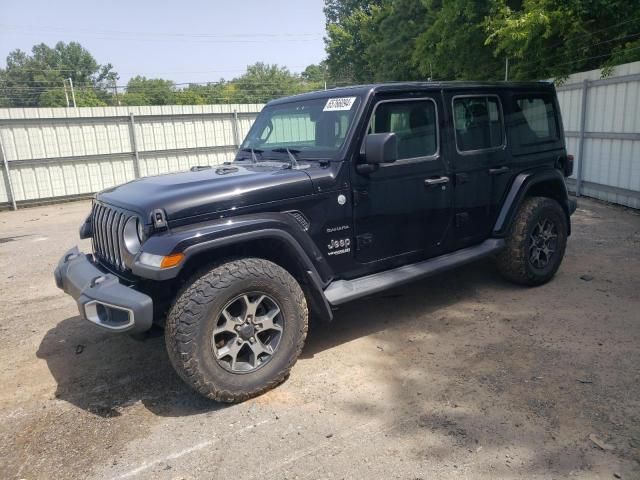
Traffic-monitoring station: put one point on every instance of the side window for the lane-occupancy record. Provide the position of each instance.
(478, 123)
(413, 121)
(534, 120)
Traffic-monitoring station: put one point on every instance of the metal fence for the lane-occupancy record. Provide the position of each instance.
(601, 119)
(63, 153)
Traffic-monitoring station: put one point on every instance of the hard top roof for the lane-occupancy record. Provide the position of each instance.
(365, 90)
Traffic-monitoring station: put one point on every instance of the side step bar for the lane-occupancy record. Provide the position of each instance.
(342, 291)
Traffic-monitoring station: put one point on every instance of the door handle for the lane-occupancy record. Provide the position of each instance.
(429, 182)
(498, 170)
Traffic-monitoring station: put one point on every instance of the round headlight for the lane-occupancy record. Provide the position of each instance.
(131, 234)
(140, 231)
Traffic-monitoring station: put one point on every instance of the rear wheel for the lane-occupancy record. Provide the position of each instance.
(536, 242)
(236, 331)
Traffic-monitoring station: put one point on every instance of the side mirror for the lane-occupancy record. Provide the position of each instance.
(380, 148)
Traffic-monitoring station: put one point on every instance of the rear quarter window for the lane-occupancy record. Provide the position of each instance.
(533, 122)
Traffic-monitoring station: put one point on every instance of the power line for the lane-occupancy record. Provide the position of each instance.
(247, 41)
(558, 55)
(577, 60)
(199, 38)
(256, 94)
(595, 56)
(589, 34)
(163, 87)
(63, 70)
(252, 98)
(39, 28)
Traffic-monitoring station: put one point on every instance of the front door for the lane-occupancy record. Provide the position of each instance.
(404, 208)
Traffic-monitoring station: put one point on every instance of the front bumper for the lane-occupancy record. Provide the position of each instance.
(100, 296)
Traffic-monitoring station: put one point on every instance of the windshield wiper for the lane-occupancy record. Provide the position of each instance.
(253, 152)
(291, 152)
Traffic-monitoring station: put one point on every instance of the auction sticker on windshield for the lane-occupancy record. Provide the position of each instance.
(340, 103)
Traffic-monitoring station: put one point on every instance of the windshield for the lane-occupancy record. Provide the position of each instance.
(309, 128)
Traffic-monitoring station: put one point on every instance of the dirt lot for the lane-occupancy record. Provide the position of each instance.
(459, 376)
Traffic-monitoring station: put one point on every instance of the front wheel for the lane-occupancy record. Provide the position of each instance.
(536, 242)
(236, 331)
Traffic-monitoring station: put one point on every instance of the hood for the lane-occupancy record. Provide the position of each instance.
(208, 190)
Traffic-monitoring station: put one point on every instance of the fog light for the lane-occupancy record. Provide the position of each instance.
(109, 316)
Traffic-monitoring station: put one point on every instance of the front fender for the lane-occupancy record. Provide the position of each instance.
(549, 182)
(196, 238)
(209, 236)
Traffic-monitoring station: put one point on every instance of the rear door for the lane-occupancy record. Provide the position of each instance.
(404, 208)
(480, 163)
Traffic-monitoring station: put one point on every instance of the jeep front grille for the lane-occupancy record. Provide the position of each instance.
(108, 232)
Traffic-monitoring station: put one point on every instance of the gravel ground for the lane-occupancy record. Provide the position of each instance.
(459, 376)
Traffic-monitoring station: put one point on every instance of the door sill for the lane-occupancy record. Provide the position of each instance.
(342, 291)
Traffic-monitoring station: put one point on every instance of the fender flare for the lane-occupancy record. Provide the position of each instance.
(236, 231)
(521, 186)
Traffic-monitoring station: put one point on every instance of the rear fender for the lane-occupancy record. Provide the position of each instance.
(546, 183)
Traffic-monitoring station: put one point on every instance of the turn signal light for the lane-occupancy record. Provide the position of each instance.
(171, 260)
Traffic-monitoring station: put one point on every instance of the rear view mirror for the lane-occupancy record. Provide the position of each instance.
(380, 148)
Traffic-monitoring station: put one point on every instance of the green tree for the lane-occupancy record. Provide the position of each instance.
(189, 96)
(315, 73)
(210, 93)
(28, 77)
(549, 38)
(452, 44)
(350, 30)
(391, 51)
(385, 40)
(149, 91)
(337, 11)
(263, 82)
(85, 97)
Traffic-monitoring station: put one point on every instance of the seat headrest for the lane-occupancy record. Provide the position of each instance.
(418, 118)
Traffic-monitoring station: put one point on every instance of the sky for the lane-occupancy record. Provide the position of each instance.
(188, 41)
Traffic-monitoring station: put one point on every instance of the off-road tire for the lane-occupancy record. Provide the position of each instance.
(513, 262)
(190, 324)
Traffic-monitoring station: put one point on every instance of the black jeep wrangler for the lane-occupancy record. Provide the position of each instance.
(333, 196)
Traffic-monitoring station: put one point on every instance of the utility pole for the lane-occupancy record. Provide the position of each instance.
(324, 75)
(66, 95)
(506, 69)
(115, 91)
(73, 94)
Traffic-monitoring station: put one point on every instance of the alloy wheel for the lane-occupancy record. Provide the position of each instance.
(543, 243)
(247, 332)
